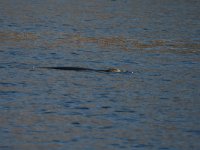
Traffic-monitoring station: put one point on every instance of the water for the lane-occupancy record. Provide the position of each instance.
(156, 107)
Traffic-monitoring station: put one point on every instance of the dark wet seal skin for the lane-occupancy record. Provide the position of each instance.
(86, 69)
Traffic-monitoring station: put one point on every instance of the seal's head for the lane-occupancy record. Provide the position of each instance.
(114, 70)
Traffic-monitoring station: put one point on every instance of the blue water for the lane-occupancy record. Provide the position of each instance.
(157, 107)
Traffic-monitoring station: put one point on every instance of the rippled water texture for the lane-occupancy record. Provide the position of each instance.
(156, 107)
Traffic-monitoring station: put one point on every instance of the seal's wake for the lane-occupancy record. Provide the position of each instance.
(86, 69)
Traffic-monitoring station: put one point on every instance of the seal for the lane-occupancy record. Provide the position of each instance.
(85, 69)
(114, 70)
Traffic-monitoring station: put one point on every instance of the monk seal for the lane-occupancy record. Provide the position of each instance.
(114, 70)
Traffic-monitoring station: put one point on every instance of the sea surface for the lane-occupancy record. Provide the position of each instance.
(157, 107)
